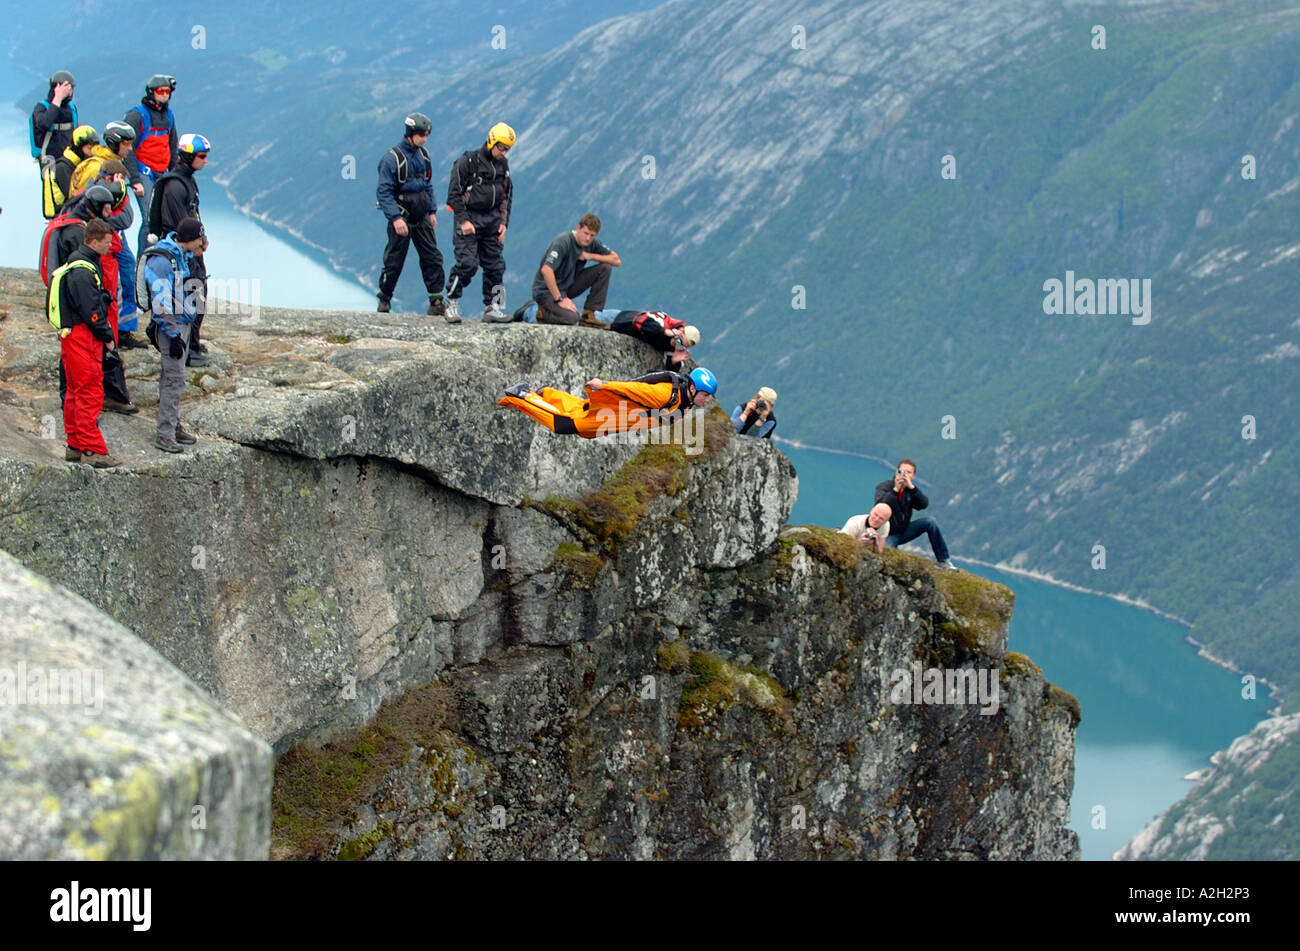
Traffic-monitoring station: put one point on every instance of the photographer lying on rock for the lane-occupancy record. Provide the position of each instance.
(756, 418)
(872, 528)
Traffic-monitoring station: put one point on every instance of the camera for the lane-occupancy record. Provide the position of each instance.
(760, 406)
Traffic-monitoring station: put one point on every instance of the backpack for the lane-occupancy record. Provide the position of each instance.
(52, 295)
(155, 202)
(52, 197)
(143, 298)
(61, 221)
(39, 150)
(402, 164)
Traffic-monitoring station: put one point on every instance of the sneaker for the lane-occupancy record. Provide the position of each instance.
(451, 310)
(196, 359)
(437, 307)
(126, 340)
(98, 460)
(203, 348)
(126, 409)
(519, 390)
(589, 319)
(493, 314)
(167, 445)
(948, 565)
(71, 455)
(183, 437)
(383, 307)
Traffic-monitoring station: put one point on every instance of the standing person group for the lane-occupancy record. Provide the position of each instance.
(86, 187)
(480, 194)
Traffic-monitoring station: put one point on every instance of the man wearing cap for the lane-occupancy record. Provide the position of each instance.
(756, 418)
(177, 198)
(167, 271)
(671, 337)
(405, 196)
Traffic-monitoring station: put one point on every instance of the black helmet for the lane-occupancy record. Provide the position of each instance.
(157, 81)
(97, 196)
(117, 132)
(117, 190)
(417, 123)
(62, 76)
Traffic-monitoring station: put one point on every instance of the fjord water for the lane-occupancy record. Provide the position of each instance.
(1153, 710)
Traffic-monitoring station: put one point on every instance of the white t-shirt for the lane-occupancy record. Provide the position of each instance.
(855, 526)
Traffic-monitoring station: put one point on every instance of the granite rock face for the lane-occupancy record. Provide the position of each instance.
(515, 644)
(106, 750)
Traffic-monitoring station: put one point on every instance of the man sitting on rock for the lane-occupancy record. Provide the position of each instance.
(613, 406)
(872, 528)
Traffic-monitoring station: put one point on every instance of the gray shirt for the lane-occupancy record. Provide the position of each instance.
(562, 257)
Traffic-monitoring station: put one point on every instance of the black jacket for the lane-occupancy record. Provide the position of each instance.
(179, 199)
(68, 238)
(900, 507)
(82, 300)
(45, 118)
(480, 184)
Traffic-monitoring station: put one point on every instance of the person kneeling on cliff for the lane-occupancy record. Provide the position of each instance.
(756, 418)
(902, 496)
(613, 406)
(872, 528)
(165, 268)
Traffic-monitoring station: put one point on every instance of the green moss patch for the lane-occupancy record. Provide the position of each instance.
(317, 789)
(362, 846)
(1057, 697)
(715, 684)
(1018, 665)
(674, 657)
(825, 545)
(577, 564)
(981, 608)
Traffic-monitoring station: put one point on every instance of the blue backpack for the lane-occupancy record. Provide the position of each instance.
(39, 150)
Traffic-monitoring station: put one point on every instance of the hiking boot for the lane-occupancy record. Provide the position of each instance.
(948, 565)
(451, 310)
(493, 314)
(589, 319)
(126, 409)
(196, 359)
(519, 390)
(71, 455)
(183, 437)
(437, 307)
(203, 348)
(126, 340)
(99, 460)
(383, 307)
(167, 445)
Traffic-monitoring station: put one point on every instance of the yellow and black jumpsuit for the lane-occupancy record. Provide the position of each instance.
(618, 406)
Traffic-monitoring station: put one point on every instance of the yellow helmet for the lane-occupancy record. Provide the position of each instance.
(83, 135)
(501, 133)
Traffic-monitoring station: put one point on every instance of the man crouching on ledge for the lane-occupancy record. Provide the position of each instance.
(902, 496)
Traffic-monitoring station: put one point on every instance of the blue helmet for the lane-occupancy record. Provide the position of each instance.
(704, 380)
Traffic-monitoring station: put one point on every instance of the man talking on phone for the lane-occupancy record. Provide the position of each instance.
(902, 496)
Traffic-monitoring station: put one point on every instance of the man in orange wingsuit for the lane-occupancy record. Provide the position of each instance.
(613, 406)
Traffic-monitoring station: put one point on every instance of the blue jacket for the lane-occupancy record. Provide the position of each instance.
(415, 196)
(172, 306)
(762, 432)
